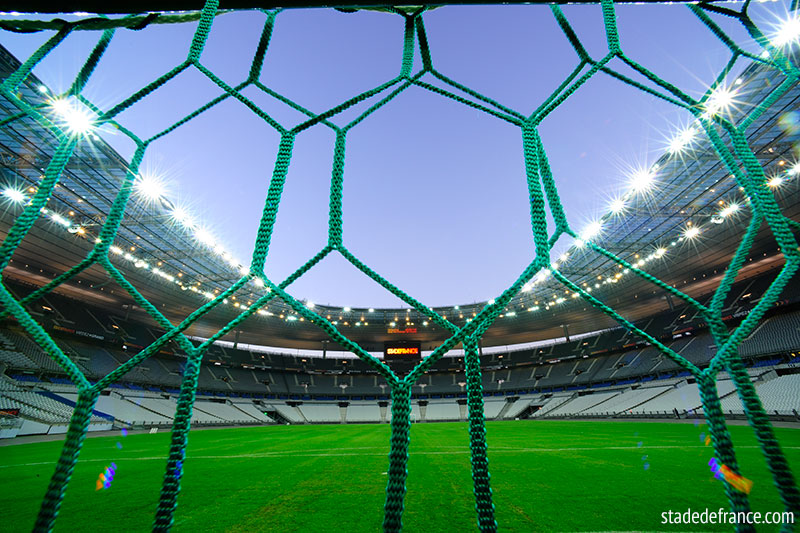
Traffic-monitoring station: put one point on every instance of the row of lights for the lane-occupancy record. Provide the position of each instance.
(691, 232)
(75, 118)
(641, 180)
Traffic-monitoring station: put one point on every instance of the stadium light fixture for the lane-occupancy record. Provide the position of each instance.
(641, 180)
(527, 287)
(14, 195)
(592, 230)
(788, 32)
(58, 219)
(777, 181)
(542, 275)
(151, 187)
(719, 100)
(179, 214)
(795, 170)
(74, 118)
(204, 236)
(617, 205)
(682, 140)
(692, 232)
(728, 211)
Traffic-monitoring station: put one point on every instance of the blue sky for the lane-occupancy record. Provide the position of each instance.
(435, 196)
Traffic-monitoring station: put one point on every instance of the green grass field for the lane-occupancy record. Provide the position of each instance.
(546, 476)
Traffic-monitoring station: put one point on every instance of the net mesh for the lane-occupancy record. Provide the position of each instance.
(727, 138)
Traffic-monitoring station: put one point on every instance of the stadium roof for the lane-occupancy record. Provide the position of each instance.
(129, 6)
(166, 260)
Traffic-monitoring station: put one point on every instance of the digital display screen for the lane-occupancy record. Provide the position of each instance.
(402, 351)
(398, 331)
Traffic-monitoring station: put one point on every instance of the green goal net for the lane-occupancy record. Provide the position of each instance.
(418, 68)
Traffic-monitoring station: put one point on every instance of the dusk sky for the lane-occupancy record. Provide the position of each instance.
(435, 197)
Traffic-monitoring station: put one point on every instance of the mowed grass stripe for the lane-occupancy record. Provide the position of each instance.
(546, 476)
(452, 450)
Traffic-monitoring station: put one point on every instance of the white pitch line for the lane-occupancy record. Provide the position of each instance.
(268, 455)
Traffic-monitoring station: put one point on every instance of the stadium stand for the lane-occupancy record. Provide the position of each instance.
(608, 373)
(779, 395)
(443, 411)
(580, 403)
(363, 412)
(683, 398)
(552, 403)
(626, 401)
(321, 413)
(126, 411)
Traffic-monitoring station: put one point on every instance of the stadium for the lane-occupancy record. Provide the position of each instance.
(643, 365)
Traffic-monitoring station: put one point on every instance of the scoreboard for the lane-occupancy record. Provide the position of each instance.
(402, 351)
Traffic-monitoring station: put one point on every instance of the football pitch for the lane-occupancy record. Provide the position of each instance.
(546, 476)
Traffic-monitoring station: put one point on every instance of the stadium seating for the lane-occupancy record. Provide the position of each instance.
(126, 411)
(363, 412)
(39, 407)
(775, 335)
(442, 411)
(780, 395)
(606, 373)
(626, 401)
(516, 408)
(581, 403)
(683, 397)
(254, 412)
(552, 403)
(224, 412)
(327, 413)
(289, 413)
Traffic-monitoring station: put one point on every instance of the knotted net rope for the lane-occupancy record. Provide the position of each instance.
(726, 137)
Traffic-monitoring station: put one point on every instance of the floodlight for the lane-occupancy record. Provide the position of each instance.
(641, 180)
(617, 205)
(150, 187)
(719, 100)
(681, 140)
(692, 232)
(75, 119)
(204, 236)
(729, 210)
(14, 195)
(592, 230)
(181, 215)
(777, 181)
(788, 32)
